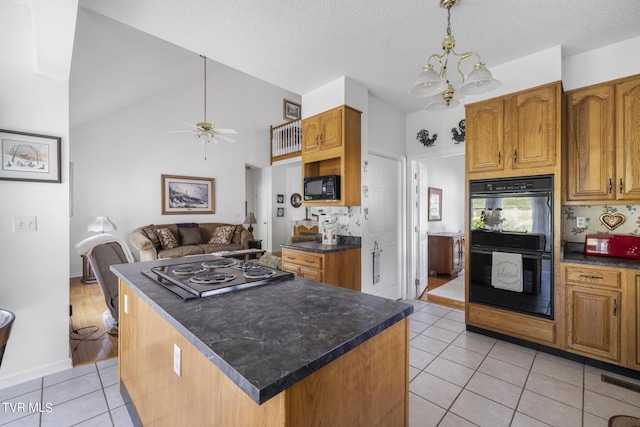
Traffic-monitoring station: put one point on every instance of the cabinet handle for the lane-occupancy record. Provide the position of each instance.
(308, 261)
(320, 139)
(620, 185)
(586, 276)
(615, 306)
(610, 185)
(317, 136)
(499, 157)
(291, 257)
(515, 156)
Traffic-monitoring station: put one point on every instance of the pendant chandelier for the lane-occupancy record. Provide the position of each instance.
(437, 86)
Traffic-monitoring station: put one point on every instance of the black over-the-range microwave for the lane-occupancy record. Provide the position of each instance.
(322, 187)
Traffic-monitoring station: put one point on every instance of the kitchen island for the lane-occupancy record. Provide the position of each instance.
(294, 352)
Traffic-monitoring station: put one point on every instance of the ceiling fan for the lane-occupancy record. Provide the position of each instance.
(205, 131)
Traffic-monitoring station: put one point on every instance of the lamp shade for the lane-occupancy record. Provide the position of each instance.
(479, 81)
(428, 83)
(250, 219)
(100, 225)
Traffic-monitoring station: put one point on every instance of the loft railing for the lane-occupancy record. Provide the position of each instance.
(286, 140)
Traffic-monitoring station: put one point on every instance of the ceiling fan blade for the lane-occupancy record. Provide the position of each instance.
(229, 131)
(177, 131)
(224, 138)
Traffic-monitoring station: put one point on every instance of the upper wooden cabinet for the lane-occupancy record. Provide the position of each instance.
(515, 134)
(331, 146)
(603, 142)
(322, 132)
(485, 136)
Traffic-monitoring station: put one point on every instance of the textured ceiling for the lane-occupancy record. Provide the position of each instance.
(301, 45)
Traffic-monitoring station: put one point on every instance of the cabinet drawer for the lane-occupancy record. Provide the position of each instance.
(309, 260)
(592, 276)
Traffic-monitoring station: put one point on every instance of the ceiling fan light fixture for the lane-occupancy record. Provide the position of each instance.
(428, 83)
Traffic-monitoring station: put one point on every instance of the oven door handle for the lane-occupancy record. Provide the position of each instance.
(530, 255)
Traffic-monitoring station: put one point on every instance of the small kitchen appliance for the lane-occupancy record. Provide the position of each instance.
(612, 245)
(329, 231)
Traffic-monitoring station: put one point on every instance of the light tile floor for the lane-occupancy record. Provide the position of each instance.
(457, 378)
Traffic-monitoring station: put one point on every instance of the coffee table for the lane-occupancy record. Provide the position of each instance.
(245, 254)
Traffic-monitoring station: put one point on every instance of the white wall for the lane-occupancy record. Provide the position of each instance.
(35, 279)
(448, 174)
(119, 158)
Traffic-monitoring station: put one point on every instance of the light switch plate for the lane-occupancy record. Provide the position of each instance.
(581, 222)
(24, 224)
(177, 360)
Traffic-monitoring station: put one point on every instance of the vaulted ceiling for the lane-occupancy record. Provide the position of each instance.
(301, 45)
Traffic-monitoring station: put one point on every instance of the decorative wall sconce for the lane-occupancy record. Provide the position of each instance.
(459, 134)
(423, 137)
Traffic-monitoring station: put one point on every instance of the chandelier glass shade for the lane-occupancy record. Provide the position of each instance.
(436, 84)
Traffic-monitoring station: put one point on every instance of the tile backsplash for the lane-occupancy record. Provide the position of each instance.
(594, 225)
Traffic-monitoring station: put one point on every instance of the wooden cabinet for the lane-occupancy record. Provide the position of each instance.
(322, 132)
(446, 253)
(634, 310)
(515, 134)
(331, 146)
(603, 142)
(485, 136)
(593, 315)
(340, 268)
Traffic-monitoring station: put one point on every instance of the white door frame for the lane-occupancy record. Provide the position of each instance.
(402, 215)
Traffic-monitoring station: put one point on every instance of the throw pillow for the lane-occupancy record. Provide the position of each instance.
(167, 239)
(222, 234)
(189, 236)
(151, 235)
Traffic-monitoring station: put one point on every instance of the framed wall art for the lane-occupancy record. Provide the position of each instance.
(30, 157)
(291, 110)
(435, 204)
(183, 195)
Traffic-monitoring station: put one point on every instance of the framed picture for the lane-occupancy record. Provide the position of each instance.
(30, 157)
(291, 110)
(280, 212)
(435, 204)
(280, 198)
(187, 195)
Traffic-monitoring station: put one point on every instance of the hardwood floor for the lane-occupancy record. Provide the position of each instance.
(88, 338)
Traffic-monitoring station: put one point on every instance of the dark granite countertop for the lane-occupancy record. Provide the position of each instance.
(574, 252)
(267, 338)
(345, 243)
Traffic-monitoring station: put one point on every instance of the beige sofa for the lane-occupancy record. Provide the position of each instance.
(154, 241)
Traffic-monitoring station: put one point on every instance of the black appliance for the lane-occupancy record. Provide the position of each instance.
(213, 277)
(325, 187)
(512, 216)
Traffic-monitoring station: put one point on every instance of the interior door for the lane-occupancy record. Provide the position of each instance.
(384, 226)
(422, 229)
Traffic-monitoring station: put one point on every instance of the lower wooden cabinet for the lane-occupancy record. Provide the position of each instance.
(593, 322)
(634, 357)
(446, 253)
(341, 268)
(594, 311)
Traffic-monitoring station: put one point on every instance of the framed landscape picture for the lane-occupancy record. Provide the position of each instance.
(291, 110)
(30, 157)
(435, 204)
(187, 195)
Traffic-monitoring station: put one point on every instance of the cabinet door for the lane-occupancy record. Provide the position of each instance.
(590, 143)
(331, 129)
(292, 268)
(311, 274)
(485, 136)
(530, 126)
(310, 135)
(628, 139)
(593, 322)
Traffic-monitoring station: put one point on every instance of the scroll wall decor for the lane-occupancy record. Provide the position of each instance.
(459, 133)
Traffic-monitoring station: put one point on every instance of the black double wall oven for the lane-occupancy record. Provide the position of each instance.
(511, 244)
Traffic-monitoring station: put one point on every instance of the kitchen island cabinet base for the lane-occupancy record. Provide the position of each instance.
(368, 385)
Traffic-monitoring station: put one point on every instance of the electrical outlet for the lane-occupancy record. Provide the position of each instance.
(177, 360)
(126, 303)
(581, 222)
(24, 224)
